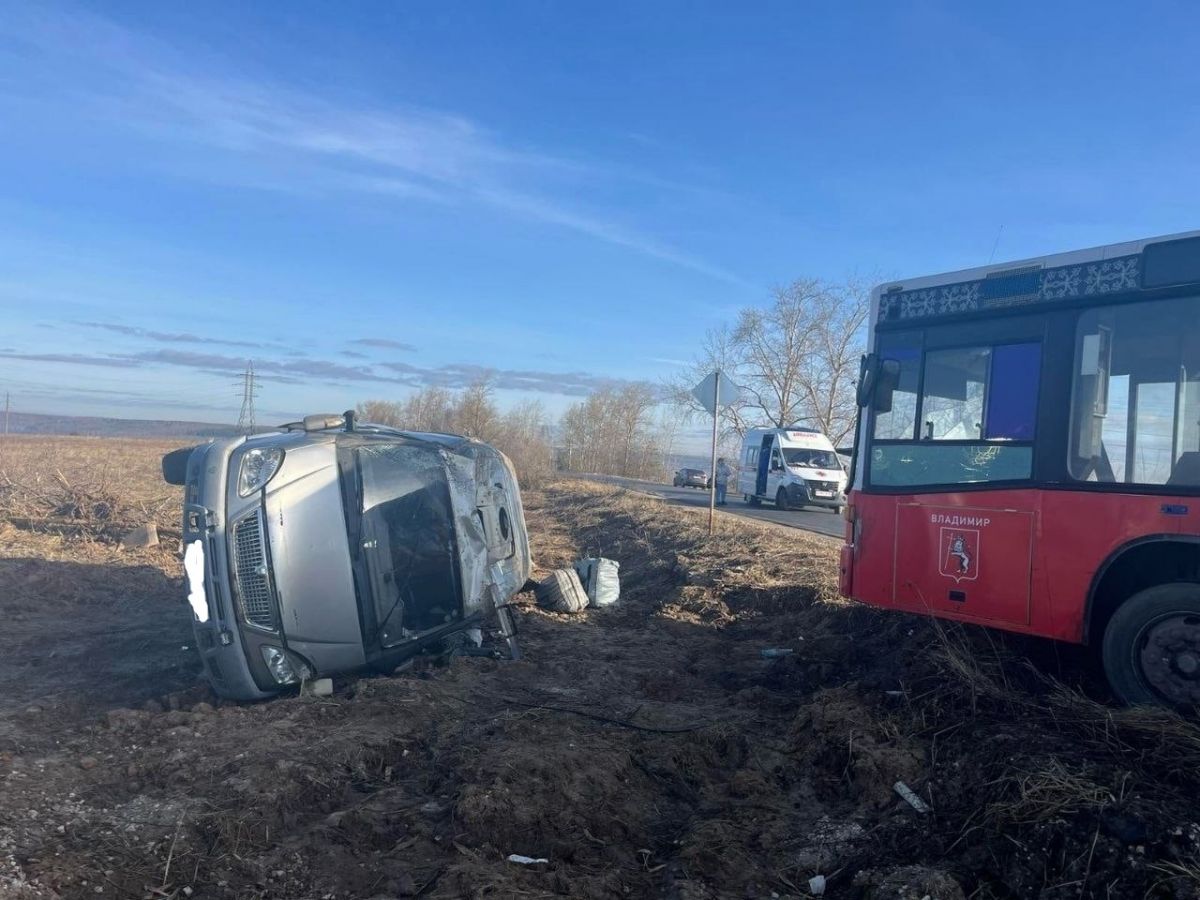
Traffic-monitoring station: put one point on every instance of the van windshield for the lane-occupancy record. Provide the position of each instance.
(806, 458)
(408, 539)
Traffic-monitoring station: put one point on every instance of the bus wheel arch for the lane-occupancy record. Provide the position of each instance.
(1153, 577)
(1133, 567)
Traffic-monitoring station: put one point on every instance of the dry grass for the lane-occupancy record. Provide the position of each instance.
(92, 487)
(439, 777)
(1048, 789)
(980, 668)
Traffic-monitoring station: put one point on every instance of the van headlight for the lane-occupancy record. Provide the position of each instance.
(258, 466)
(282, 668)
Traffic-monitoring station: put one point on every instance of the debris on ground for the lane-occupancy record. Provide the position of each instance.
(910, 798)
(142, 536)
(319, 687)
(561, 591)
(601, 580)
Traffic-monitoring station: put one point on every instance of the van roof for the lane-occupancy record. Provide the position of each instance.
(797, 436)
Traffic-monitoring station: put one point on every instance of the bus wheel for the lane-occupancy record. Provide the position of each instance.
(1151, 647)
(781, 499)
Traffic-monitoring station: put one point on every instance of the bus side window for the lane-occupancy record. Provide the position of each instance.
(1136, 417)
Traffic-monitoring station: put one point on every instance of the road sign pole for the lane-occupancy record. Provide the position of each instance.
(712, 482)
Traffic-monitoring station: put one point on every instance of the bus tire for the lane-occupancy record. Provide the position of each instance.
(781, 500)
(1151, 647)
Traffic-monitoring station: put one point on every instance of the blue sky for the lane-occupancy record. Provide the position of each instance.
(369, 197)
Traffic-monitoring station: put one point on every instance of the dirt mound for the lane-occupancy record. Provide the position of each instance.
(645, 750)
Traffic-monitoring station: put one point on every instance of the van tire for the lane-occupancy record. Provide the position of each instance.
(1131, 627)
(562, 592)
(781, 502)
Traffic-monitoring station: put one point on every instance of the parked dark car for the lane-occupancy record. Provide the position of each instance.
(332, 546)
(696, 478)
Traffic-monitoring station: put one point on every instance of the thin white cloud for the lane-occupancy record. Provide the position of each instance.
(403, 154)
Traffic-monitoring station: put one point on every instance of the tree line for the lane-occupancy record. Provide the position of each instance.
(612, 431)
(795, 361)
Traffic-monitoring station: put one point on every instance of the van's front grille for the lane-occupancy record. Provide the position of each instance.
(824, 486)
(251, 576)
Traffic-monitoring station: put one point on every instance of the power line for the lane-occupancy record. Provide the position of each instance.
(249, 383)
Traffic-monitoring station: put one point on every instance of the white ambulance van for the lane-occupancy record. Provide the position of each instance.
(791, 467)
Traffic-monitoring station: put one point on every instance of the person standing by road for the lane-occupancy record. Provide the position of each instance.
(721, 477)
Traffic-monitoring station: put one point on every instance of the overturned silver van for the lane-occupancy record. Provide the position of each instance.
(333, 546)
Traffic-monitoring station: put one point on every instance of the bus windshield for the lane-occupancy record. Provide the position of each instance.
(961, 414)
(805, 458)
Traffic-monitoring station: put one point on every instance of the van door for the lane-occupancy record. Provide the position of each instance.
(777, 473)
(764, 464)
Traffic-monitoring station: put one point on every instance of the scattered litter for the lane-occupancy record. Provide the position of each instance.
(321, 687)
(911, 798)
(600, 578)
(525, 860)
(776, 652)
(816, 885)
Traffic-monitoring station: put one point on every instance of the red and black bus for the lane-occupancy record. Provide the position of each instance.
(1028, 456)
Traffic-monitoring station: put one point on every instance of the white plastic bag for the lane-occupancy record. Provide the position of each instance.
(601, 580)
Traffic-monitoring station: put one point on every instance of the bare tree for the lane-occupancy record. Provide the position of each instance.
(795, 360)
(631, 409)
(381, 412)
(523, 434)
(829, 375)
(475, 412)
(613, 432)
(430, 409)
(717, 352)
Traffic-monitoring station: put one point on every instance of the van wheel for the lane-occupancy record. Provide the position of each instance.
(781, 500)
(1151, 647)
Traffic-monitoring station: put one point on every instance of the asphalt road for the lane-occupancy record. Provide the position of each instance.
(820, 521)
